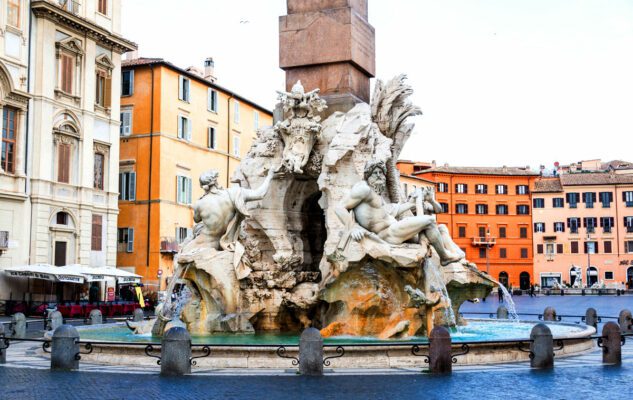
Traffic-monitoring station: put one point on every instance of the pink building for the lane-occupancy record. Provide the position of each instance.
(583, 229)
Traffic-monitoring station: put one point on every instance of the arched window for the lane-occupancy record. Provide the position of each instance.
(592, 277)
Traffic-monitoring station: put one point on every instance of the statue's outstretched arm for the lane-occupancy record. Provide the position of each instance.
(357, 195)
(260, 192)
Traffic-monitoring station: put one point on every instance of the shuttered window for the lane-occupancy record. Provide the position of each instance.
(607, 247)
(97, 235)
(127, 186)
(184, 127)
(211, 138)
(574, 247)
(212, 100)
(183, 190)
(13, 13)
(183, 88)
(539, 249)
(63, 162)
(67, 66)
(103, 7)
(236, 146)
(126, 123)
(103, 89)
(559, 248)
(127, 82)
(125, 240)
(627, 198)
(99, 164)
(9, 127)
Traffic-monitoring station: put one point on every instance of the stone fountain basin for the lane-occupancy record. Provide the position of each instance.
(359, 352)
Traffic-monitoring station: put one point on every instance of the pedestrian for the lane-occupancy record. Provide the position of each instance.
(500, 293)
(532, 290)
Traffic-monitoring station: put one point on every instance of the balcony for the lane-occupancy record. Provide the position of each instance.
(72, 6)
(484, 241)
(169, 245)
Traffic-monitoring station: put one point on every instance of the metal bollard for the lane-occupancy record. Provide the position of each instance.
(311, 352)
(18, 325)
(55, 320)
(583, 292)
(542, 347)
(591, 318)
(502, 312)
(611, 343)
(138, 315)
(175, 352)
(65, 349)
(625, 320)
(549, 314)
(440, 347)
(3, 346)
(96, 318)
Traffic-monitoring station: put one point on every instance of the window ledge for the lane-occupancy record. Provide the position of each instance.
(60, 94)
(102, 109)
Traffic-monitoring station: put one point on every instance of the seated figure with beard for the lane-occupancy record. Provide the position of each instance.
(365, 209)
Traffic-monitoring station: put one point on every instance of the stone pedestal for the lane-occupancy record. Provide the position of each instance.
(138, 315)
(591, 317)
(542, 347)
(18, 325)
(96, 318)
(330, 45)
(440, 358)
(55, 320)
(625, 320)
(64, 349)
(611, 344)
(311, 353)
(549, 314)
(176, 352)
(502, 312)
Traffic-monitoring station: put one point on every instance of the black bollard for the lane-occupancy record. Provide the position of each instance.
(591, 318)
(175, 352)
(3, 347)
(18, 325)
(65, 349)
(96, 318)
(542, 347)
(55, 320)
(611, 343)
(625, 320)
(311, 352)
(138, 315)
(562, 292)
(582, 292)
(549, 314)
(502, 312)
(440, 352)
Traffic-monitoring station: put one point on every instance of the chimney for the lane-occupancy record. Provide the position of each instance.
(209, 69)
(131, 55)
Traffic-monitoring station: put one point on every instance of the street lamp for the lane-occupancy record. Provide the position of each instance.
(588, 260)
(487, 238)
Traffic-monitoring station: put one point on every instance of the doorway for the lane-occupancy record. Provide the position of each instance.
(629, 277)
(60, 253)
(524, 281)
(593, 276)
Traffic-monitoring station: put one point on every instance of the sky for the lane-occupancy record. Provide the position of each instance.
(499, 82)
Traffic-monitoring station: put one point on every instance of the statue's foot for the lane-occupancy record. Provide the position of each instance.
(450, 260)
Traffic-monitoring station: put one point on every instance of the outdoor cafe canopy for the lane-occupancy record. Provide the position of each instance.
(74, 273)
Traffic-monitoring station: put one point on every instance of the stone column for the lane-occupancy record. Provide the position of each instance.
(138, 315)
(502, 312)
(440, 351)
(55, 320)
(65, 349)
(549, 314)
(542, 347)
(330, 45)
(176, 352)
(311, 352)
(591, 318)
(96, 318)
(611, 344)
(18, 325)
(625, 321)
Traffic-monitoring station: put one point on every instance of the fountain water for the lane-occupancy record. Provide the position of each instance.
(449, 314)
(507, 297)
(167, 309)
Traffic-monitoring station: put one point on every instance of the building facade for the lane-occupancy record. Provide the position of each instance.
(488, 213)
(66, 147)
(583, 229)
(177, 123)
(408, 180)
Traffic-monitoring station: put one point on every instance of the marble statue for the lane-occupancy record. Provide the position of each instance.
(301, 129)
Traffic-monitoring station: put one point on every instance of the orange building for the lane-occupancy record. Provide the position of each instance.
(408, 180)
(175, 124)
(489, 214)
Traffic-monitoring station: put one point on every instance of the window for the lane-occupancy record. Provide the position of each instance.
(236, 111)
(558, 202)
(539, 249)
(127, 186)
(523, 232)
(9, 136)
(67, 68)
(442, 187)
(628, 224)
(549, 249)
(502, 232)
(481, 188)
(461, 208)
(574, 247)
(125, 240)
(183, 190)
(524, 252)
(103, 89)
(572, 199)
(608, 275)
(482, 231)
(607, 224)
(62, 218)
(212, 100)
(627, 197)
(211, 138)
(606, 198)
(539, 227)
(182, 234)
(607, 247)
(559, 248)
(522, 189)
(461, 231)
(126, 123)
(183, 88)
(444, 207)
(461, 188)
(127, 82)
(236, 145)
(481, 209)
(482, 252)
(559, 227)
(590, 224)
(63, 162)
(573, 224)
(13, 13)
(103, 7)
(589, 198)
(538, 203)
(503, 253)
(501, 189)
(522, 209)
(256, 119)
(628, 246)
(99, 164)
(502, 209)
(591, 247)
(184, 128)
(97, 233)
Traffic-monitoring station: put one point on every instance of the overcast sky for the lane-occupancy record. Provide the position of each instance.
(500, 82)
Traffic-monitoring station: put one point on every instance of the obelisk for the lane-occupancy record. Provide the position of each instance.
(328, 44)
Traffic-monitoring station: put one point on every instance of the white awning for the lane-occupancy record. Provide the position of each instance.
(47, 272)
(97, 274)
